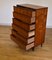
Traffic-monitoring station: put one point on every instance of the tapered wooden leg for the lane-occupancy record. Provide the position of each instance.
(32, 48)
(41, 45)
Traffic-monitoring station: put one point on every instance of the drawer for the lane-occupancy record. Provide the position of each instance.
(23, 32)
(21, 44)
(25, 11)
(22, 25)
(24, 18)
(25, 40)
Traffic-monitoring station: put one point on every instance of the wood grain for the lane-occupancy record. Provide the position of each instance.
(23, 32)
(25, 40)
(28, 12)
(22, 25)
(24, 18)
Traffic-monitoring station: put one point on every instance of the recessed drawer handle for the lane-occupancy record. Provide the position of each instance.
(30, 40)
(29, 46)
(31, 33)
(32, 27)
(33, 14)
(33, 20)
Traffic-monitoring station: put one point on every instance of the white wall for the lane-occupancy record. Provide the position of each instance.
(6, 8)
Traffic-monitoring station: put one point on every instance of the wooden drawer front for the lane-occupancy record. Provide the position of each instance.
(21, 44)
(30, 46)
(24, 11)
(26, 40)
(24, 18)
(22, 25)
(23, 32)
(17, 40)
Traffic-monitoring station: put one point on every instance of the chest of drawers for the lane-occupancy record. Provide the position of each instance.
(29, 25)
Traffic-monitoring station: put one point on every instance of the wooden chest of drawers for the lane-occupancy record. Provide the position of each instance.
(29, 25)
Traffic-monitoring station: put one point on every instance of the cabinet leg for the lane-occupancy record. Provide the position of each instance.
(32, 48)
(41, 45)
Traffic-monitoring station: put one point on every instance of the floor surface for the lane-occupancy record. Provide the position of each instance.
(10, 50)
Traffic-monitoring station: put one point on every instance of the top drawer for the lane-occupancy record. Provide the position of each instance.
(25, 11)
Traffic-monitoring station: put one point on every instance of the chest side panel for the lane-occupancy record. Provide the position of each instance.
(41, 17)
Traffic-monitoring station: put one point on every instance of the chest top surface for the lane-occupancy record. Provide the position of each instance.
(31, 6)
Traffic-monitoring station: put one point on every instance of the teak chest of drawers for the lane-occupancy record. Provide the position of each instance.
(29, 25)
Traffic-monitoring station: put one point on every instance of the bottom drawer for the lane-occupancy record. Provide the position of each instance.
(22, 45)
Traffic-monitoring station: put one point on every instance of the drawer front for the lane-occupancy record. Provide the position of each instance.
(20, 31)
(22, 25)
(24, 11)
(30, 46)
(24, 18)
(17, 40)
(25, 40)
(21, 44)
(23, 32)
